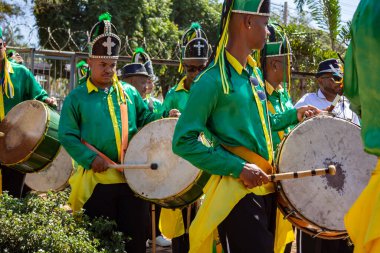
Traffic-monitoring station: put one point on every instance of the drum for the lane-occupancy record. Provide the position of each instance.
(176, 182)
(30, 141)
(317, 205)
(55, 177)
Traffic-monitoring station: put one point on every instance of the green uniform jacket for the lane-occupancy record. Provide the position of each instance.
(86, 115)
(176, 98)
(25, 87)
(361, 72)
(233, 119)
(281, 102)
(153, 104)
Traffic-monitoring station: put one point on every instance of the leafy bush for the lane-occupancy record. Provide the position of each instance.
(36, 224)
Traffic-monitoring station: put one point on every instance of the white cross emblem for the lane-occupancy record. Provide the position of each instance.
(109, 45)
(199, 46)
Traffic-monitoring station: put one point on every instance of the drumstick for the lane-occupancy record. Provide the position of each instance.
(2, 134)
(305, 173)
(147, 166)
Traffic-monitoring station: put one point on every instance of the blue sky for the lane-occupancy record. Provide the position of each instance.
(26, 22)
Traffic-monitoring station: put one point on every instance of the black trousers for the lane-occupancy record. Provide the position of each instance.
(308, 244)
(118, 202)
(181, 244)
(13, 181)
(250, 225)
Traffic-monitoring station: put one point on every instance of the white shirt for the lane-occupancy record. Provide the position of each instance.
(341, 110)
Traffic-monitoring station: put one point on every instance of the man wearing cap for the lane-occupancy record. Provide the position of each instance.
(195, 51)
(228, 99)
(362, 80)
(330, 82)
(17, 85)
(98, 119)
(276, 64)
(14, 56)
(140, 56)
(136, 75)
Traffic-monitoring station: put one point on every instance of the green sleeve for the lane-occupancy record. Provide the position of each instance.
(143, 114)
(280, 121)
(214, 160)
(167, 105)
(33, 89)
(70, 137)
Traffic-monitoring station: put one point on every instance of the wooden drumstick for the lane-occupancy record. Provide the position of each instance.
(2, 134)
(305, 173)
(147, 166)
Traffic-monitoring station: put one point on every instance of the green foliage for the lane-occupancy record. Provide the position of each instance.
(309, 46)
(9, 9)
(36, 224)
(327, 14)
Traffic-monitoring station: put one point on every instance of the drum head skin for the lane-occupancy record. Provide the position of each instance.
(54, 177)
(153, 144)
(317, 143)
(23, 126)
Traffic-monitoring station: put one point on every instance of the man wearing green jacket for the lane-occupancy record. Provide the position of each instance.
(17, 85)
(361, 86)
(195, 52)
(228, 99)
(98, 118)
(276, 64)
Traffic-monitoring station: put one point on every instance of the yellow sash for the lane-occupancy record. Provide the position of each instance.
(222, 193)
(363, 219)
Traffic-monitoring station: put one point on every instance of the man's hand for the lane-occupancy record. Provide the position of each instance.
(252, 176)
(51, 101)
(307, 111)
(174, 113)
(99, 165)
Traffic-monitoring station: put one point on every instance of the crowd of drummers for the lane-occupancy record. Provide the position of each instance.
(234, 123)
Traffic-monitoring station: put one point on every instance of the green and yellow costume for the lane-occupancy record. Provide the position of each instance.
(361, 85)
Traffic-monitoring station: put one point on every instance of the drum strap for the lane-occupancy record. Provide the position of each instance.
(251, 156)
(108, 160)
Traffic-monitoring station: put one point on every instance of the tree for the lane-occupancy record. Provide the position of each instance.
(9, 9)
(327, 14)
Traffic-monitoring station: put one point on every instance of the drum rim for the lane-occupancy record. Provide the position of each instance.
(47, 124)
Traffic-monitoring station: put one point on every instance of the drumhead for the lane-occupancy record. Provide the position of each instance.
(317, 143)
(54, 177)
(23, 126)
(153, 144)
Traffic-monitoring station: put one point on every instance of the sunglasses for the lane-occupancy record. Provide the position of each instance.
(334, 78)
(192, 68)
(255, 83)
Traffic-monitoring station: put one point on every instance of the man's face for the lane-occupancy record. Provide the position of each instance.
(139, 82)
(258, 31)
(193, 68)
(149, 86)
(2, 49)
(279, 67)
(330, 84)
(102, 70)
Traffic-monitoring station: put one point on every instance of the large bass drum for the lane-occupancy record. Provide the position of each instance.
(317, 205)
(55, 177)
(30, 142)
(176, 182)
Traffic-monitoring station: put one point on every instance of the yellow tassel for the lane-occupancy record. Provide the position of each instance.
(180, 68)
(8, 85)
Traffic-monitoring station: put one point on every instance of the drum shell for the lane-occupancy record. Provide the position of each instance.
(45, 150)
